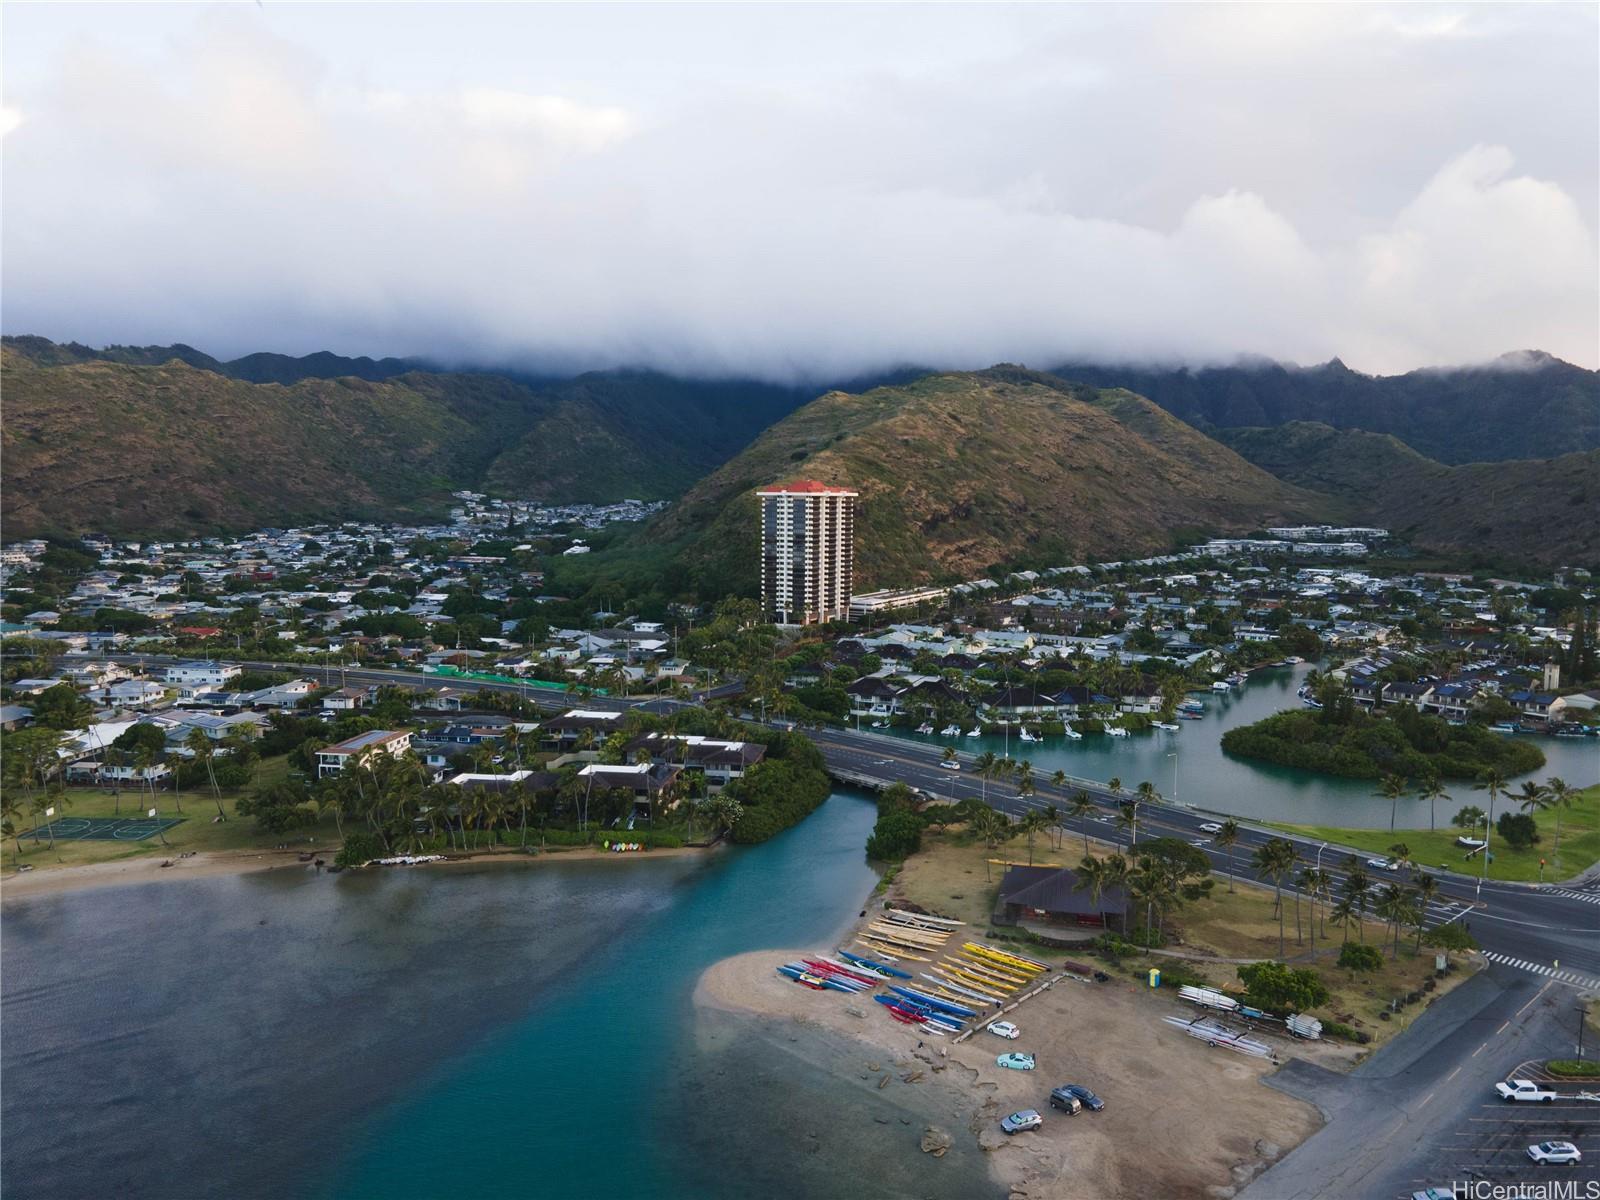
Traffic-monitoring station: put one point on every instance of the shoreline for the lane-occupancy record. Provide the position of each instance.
(1108, 1036)
(131, 872)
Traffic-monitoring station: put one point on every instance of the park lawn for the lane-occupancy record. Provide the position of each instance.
(957, 876)
(1580, 842)
(198, 832)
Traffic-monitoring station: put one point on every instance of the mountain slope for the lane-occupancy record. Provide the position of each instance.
(1537, 512)
(126, 440)
(1524, 405)
(959, 472)
(171, 449)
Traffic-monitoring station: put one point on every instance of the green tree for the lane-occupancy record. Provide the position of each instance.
(1561, 795)
(1275, 858)
(1228, 837)
(1391, 788)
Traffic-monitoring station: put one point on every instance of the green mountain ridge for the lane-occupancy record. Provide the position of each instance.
(1535, 511)
(1525, 405)
(959, 472)
(110, 441)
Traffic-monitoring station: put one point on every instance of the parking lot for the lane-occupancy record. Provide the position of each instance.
(1490, 1140)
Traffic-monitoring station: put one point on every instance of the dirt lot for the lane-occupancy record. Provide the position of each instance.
(1181, 1120)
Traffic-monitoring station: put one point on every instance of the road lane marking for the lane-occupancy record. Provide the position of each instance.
(1452, 1075)
(1480, 1050)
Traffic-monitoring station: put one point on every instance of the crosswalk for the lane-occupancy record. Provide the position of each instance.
(1571, 978)
(1586, 897)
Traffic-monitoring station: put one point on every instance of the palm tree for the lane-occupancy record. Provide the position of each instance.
(1561, 794)
(1394, 907)
(11, 815)
(1080, 807)
(1344, 913)
(1391, 788)
(1427, 891)
(1024, 772)
(1275, 858)
(1091, 876)
(1118, 871)
(985, 765)
(1128, 819)
(1493, 782)
(1401, 853)
(1032, 823)
(1533, 797)
(1431, 790)
(1052, 821)
(1114, 786)
(1322, 888)
(949, 754)
(1227, 837)
(1059, 779)
(200, 744)
(1306, 881)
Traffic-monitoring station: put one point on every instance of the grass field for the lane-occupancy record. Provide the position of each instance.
(198, 832)
(1580, 841)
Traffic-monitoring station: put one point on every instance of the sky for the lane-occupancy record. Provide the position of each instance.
(806, 192)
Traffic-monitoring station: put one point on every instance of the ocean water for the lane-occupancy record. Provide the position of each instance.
(467, 1032)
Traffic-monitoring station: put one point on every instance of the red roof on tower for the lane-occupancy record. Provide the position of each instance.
(807, 485)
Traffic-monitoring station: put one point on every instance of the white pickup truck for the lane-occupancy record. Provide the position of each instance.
(1524, 1090)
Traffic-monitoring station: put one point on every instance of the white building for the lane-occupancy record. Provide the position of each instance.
(871, 603)
(335, 758)
(808, 545)
(201, 674)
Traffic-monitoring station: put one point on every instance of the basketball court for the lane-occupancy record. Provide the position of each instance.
(102, 829)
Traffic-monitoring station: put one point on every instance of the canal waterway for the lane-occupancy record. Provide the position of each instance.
(1190, 764)
(504, 1031)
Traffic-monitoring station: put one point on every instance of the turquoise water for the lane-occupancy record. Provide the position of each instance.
(584, 1097)
(1191, 764)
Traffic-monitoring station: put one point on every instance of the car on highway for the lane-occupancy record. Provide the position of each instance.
(1211, 827)
(1081, 1094)
(1021, 1122)
(1016, 1061)
(952, 765)
(1383, 864)
(1524, 1090)
(1555, 1152)
(1434, 1193)
(1004, 1029)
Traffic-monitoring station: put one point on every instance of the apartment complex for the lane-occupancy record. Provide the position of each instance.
(808, 532)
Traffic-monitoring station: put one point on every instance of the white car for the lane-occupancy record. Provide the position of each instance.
(1524, 1090)
(1383, 864)
(1211, 827)
(1005, 1029)
(1555, 1152)
(1016, 1061)
(952, 765)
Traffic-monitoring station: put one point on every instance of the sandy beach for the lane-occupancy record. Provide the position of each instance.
(55, 880)
(1181, 1119)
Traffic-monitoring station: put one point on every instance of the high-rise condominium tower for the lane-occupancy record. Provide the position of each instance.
(808, 550)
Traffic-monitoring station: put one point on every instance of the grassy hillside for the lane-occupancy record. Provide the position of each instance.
(1536, 511)
(1524, 405)
(172, 449)
(124, 440)
(959, 472)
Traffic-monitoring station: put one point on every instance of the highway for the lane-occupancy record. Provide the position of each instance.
(1551, 933)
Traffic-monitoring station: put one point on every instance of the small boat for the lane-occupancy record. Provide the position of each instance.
(1073, 733)
(1503, 727)
(880, 725)
(1221, 685)
(925, 728)
(1190, 716)
(1028, 737)
(974, 731)
(1308, 702)
(950, 731)
(1169, 726)
(1116, 731)
(1294, 660)
(872, 964)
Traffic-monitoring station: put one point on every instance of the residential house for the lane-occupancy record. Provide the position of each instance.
(644, 781)
(206, 675)
(353, 751)
(719, 761)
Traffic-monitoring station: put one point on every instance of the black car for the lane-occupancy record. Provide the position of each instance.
(1081, 1094)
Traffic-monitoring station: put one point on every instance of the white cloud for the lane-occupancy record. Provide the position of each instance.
(1156, 183)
